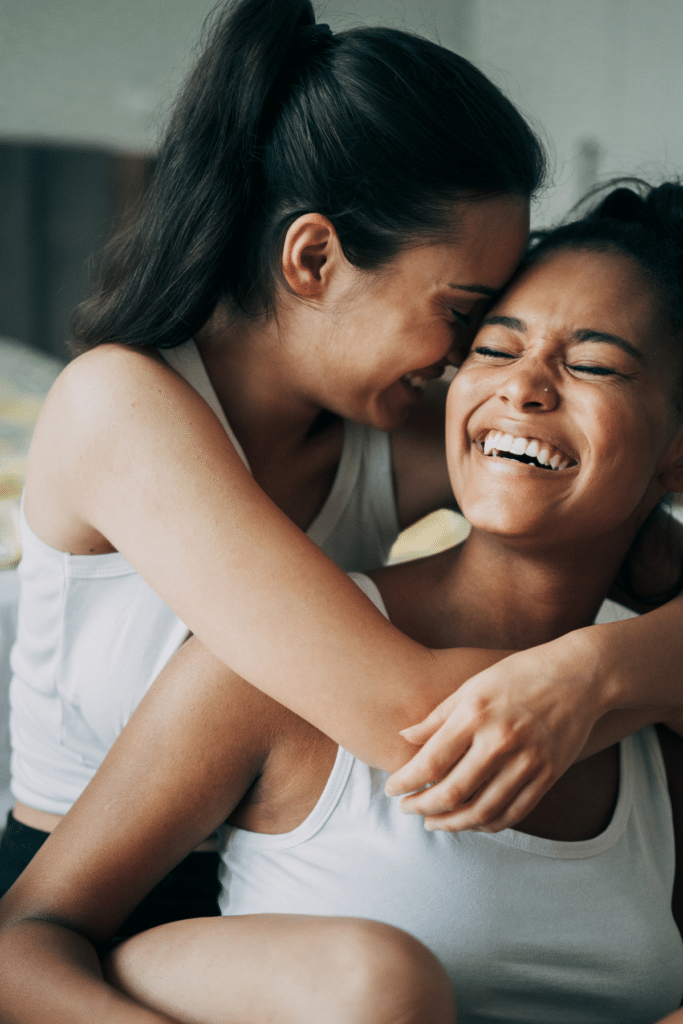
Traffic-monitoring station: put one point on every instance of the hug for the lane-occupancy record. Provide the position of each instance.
(316, 318)
(569, 915)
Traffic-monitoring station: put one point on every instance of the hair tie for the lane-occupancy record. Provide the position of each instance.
(310, 37)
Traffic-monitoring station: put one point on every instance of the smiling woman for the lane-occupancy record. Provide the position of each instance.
(580, 333)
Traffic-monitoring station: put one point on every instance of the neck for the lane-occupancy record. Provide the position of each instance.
(504, 596)
(247, 366)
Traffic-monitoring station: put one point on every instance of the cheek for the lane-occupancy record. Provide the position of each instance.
(632, 443)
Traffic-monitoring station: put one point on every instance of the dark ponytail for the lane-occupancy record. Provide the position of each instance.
(379, 130)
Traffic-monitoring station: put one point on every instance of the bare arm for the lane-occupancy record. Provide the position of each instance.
(135, 454)
(516, 727)
(183, 762)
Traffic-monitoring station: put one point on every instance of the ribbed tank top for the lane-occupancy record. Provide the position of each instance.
(92, 635)
(529, 930)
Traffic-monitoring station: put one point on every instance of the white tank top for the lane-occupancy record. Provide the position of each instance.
(92, 635)
(529, 930)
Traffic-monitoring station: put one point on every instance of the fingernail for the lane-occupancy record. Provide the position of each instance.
(430, 827)
(389, 790)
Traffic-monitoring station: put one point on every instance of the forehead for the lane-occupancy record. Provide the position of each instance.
(584, 288)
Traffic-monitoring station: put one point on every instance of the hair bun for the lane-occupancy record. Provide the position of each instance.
(623, 204)
(665, 205)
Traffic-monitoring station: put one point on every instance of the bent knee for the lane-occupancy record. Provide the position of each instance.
(394, 979)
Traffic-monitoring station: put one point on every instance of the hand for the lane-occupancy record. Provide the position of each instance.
(491, 750)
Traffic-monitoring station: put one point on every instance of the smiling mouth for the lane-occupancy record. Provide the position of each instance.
(419, 379)
(529, 450)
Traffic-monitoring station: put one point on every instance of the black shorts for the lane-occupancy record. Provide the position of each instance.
(189, 890)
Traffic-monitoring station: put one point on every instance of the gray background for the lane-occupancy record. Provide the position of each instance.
(604, 78)
(85, 87)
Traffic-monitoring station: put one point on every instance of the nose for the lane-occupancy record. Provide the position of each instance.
(529, 386)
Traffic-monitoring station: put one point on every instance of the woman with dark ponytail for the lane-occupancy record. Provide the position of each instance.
(327, 214)
(328, 217)
(564, 434)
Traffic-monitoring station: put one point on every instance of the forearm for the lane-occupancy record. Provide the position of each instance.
(67, 988)
(638, 662)
(370, 730)
(617, 725)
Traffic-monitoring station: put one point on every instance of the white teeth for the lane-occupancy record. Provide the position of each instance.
(518, 446)
(496, 441)
(415, 380)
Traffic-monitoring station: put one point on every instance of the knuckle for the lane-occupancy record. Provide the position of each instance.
(531, 762)
(431, 766)
(506, 739)
(481, 820)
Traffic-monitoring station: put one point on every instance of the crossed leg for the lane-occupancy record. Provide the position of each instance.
(283, 969)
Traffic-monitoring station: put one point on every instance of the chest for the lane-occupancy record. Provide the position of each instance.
(581, 803)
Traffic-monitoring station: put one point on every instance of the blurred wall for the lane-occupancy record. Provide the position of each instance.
(84, 84)
(93, 71)
(604, 79)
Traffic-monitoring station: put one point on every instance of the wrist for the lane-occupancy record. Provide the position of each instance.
(590, 655)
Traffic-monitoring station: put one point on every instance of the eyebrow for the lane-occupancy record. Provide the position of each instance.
(481, 289)
(586, 334)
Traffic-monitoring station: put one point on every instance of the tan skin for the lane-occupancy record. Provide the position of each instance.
(191, 763)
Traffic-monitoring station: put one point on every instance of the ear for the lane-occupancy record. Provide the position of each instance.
(671, 473)
(310, 254)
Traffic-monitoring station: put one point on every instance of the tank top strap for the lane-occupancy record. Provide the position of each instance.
(186, 360)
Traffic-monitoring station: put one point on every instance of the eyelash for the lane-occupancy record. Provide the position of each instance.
(596, 371)
(461, 318)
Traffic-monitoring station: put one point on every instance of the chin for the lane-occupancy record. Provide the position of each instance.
(506, 519)
(388, 418)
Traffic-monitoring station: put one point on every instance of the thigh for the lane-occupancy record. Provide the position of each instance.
(283, 969)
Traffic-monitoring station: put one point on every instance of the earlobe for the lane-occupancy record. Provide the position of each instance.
(308, 255)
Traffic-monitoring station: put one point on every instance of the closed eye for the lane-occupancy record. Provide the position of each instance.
(484, 350)
(461, 318)
(596, 371)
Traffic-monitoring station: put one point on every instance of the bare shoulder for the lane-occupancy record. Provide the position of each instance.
(261, 764)
(200, 739)
(109, 380)
(419, 458)
(114, 416)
